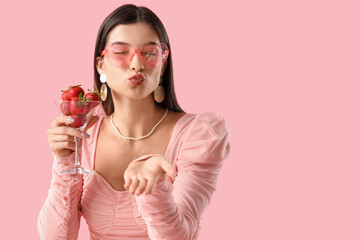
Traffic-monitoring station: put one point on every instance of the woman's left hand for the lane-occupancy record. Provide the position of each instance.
(143, 175)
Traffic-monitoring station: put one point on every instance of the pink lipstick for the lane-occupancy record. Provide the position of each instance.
(137, 79)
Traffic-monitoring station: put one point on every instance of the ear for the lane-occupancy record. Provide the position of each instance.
(163, 68)
(100, 65)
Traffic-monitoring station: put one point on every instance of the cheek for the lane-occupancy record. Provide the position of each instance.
(153, 83)
(114, 74)
(156, 76)
(154, 80)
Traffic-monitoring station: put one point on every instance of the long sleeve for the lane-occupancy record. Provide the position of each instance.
(59, 218)
(173, 211)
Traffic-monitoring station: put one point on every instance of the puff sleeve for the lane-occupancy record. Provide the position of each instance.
(174, 209)
(59, 218)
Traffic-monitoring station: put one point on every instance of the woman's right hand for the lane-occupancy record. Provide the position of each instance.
(61, 135)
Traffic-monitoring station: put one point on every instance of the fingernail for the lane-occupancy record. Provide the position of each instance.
(85, 135)
(70, 120)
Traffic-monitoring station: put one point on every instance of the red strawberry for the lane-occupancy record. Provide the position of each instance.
(90, 96)
(64, 95)
(75, 91)
(65, 108)
(79, 120)
(93, 96)
(78, 106)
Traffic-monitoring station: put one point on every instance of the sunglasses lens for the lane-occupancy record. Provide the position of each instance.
(119, 55)
(151, 55)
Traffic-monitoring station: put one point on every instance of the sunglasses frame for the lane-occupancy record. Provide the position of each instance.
(163, 47)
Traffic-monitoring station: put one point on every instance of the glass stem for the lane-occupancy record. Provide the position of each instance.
(77, 151)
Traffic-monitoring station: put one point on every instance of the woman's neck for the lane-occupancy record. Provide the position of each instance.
(136, 118)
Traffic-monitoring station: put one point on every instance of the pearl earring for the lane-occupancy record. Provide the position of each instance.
(103, 78)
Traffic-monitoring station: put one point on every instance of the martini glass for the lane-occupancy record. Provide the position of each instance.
(81, 112)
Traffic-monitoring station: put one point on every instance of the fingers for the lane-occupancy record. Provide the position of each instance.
(142, 177)
(64, 130)
(60, 146)
(142, 185)
(59, 126)
(61, 136)
(134, 184)
(61, 120)
(128, 181)
(168, 168)
(138, 185)
(150, 185)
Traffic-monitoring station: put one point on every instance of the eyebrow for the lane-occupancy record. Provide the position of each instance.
(125, 43)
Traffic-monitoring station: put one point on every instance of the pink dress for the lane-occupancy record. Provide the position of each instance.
(198, 147)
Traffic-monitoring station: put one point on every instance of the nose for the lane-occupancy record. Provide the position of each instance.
(136, 63)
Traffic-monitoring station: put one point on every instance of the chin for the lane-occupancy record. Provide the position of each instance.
(135, 95)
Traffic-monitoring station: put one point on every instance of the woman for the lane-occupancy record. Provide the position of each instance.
(156, 167)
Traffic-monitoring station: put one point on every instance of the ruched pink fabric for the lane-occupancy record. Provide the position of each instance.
(198, 147)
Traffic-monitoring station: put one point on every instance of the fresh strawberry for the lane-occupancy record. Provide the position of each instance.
(75, 91)
(78, 106)
(79, 120)
(93, 96)
(90, 96)
(65, 108)
(64, 95)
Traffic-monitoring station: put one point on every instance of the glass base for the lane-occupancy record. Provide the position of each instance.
(76, 170)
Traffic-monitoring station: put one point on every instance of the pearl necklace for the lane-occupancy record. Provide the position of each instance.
(138, 138)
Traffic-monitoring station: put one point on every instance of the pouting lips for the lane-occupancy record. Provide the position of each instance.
(136, 82)
(137, 76)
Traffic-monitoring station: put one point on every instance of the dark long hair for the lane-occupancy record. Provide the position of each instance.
(126, 14)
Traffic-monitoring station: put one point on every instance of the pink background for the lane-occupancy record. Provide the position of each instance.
(285, 75)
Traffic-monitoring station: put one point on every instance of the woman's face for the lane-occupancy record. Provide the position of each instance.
(136, 34)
